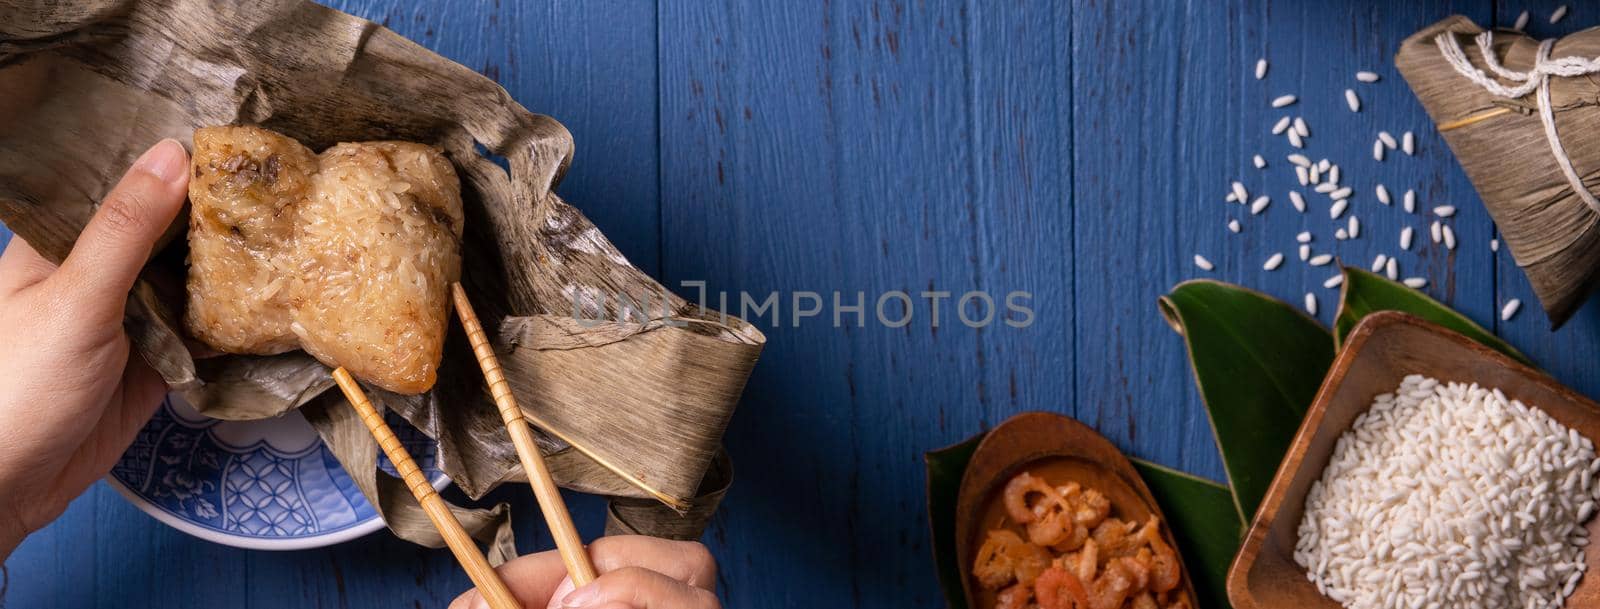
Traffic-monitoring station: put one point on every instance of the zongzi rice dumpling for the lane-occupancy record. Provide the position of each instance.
(348, 254)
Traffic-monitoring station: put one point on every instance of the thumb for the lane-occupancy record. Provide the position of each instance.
(107, 257)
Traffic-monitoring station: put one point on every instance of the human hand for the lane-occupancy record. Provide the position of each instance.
(71, 397)
(636, 572)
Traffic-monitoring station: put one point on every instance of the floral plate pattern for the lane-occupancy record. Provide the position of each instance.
(268, 484)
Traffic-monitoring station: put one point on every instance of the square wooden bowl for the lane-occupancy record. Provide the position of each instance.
(1380, 352)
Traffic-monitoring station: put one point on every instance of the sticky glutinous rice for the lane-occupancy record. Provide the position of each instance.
(1450, 496)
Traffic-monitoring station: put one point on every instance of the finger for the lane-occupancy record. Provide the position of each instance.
(21, 266)
(531, 579)
(115, 245)
(685, 561)
(640, 589)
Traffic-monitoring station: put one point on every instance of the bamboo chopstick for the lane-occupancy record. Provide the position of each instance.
(579, 568)
(461, 544)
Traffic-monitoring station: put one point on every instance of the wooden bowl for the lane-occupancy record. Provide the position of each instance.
(1380, 352)
(1072, 451)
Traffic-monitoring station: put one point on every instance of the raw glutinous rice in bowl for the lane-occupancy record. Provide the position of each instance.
(1450, 496)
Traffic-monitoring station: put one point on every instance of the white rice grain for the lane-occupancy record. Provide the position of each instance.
(1556, 15)
(1294, 139)
(1415, 282)
(1338, 208)
(1283, 100)
(1383, 194)
(1436, 230)
(1341, 234)
(1233, 226)
(1388, 140)
(1305, 252)
(1405, 238)
(1320, 260)
(1340, 194)
(1410, 201)
(1377, 263)
(1391, 269)
(1334, 281)
(1494, 245)
(1365, 76)
(1301, 174)
(1281, 126)
(1297, 158)
(1239, 193)
(1261, 68)
(1303, 237)
(1351, 100)
(1259, 162)
(1300, 127)
(1326, 187)
(1333, 174)
(1260, 204)
(1200, 261)
(1408, 144)
(1355, 227)
(1522, 22)
(1273, 262)
(1444, 211)
(1377, 151)
(1311, 303)
(1449, 237)
(1296, 200)
(1510, 310)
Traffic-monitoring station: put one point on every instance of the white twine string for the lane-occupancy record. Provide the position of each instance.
(1537, 78)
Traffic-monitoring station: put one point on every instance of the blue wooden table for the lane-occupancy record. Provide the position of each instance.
(1076, 151)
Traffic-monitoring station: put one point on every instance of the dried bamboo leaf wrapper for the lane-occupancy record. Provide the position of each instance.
(1501, 144)
(92, 83)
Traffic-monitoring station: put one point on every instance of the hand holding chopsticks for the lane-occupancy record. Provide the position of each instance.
(579, 568)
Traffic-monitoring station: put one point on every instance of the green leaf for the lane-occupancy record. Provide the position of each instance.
(1258, 363)
(1202, 518)
(945, 467)
(1366, 293)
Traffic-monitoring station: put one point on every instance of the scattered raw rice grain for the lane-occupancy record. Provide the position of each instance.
(1340, 194)
(1301, 174)
(1444, 211)
(1273, 262)
(1333, 174)
(1259, 162)
(1377, 263)
(1303, 237)
(1300, 127)
(1405, 238)
(1326, 187)
(1233, 226)
(1561, 11)
(1281, 126)
(1200, 261)
(1391, 269)
(1436, 230)
(1334, 281)
(1355, 227)
(1351, 100)
(1377, 151)
(1494, 245)
(1411, 201)
(1261, 68)
(1388, 140)
(1416, 282)
(1408, 144)
(1341, 234)
(1383, 194)
(1449, 237)
(1297, 158)
(1311, 303)
(1510, 310)
(1239, 193)
(1338, 208)
(1365, 76)
(1320, 259)
(1324, 165)
(1316, 174)
(1229, 198)
(1305, 252)
(1260, 204)
(1283, 100)
(1297, 201)
(1294, 139)
(1522, 22)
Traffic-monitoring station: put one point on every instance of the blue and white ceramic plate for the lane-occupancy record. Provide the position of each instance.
(266, 485)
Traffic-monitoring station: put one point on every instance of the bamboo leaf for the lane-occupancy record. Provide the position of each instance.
(945, 467)
(1202, 518)
(1258, 363)
(1365, 293)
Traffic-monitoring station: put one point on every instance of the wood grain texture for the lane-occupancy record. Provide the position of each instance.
(1078, 151)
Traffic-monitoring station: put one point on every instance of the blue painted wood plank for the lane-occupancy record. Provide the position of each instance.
(866, 147)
